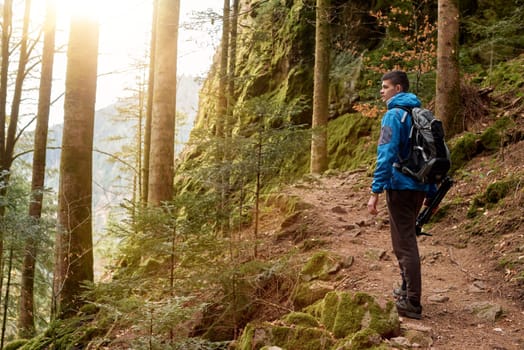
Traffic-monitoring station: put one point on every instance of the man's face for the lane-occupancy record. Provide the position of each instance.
(388, 90)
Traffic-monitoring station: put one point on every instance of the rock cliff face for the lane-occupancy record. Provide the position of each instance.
(275, 56)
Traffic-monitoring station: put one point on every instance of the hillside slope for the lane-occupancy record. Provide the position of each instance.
(470, 301)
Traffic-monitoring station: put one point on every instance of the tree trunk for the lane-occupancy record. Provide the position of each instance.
(448, 98)
(4, 68)
(149, 110)
(74, 256)
(232, 62)
(222, 75)
(319, 156)
(17, 94)
(26, 324)
(161, 165)
(4, 74)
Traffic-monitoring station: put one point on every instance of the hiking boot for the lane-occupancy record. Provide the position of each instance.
(407, 309)
(400, 292)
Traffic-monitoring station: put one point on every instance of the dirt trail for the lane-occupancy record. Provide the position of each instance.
(455, 279)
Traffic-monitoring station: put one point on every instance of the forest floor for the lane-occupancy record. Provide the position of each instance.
(461, 263)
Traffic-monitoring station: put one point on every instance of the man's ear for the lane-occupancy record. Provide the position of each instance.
(398, 88)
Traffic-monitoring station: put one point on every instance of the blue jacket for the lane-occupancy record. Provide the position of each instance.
(394, 140)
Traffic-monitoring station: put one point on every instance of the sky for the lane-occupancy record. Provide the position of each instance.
(124, 37)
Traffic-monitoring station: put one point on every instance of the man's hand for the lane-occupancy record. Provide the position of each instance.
(372, 204)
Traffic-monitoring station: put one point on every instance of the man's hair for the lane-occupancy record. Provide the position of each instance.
(398, 77)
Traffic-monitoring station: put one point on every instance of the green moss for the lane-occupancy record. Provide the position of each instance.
(365, 339)
(300, 319)
(493, 194)
(508, 76)
(345, 313)
(352, 141)
(384, 321)
(304, 338)
(348, 314)
(245, 342)
(492, 138)
(320, 266)
(469, 145)
(463, 150)
(15, 344)
(258, 336)
(306, 294)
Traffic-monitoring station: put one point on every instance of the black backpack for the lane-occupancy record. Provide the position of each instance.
(428, 160)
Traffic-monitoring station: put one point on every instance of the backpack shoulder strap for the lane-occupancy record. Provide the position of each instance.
(407, 110)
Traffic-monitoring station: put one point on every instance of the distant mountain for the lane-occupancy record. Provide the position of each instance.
(112, 179)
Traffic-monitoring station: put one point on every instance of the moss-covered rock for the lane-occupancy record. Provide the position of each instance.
(463, 150)
(493, 194)
(469, 145)
(257, 336)
(307, 293)
(352, 141)
(344, 314)
(508, 76)
(300, 319)
(364, 339)
(339, 321)
(321, 265)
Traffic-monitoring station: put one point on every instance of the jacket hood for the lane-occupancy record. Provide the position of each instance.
(404, 99)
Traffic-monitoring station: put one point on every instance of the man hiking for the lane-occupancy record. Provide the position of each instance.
(404, 195)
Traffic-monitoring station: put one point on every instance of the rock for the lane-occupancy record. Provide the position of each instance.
(475, 289)
(339, 210)
(266, 335)
(480, 285)
(341, 319)
(485, 311)
(321, 265)
(420, 338)
(306, 294)
(347, 262)
(400, 342)
(417, 327)
(351, 227)
(376, 254)
(300, 319)
(343, 314)
(364, 339)
(438, 298)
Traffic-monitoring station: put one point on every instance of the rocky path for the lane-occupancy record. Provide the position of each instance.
(464, 308)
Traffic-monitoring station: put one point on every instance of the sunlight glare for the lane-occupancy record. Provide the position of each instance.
(90, 9)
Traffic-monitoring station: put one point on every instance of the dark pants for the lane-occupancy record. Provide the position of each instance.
(404, 207)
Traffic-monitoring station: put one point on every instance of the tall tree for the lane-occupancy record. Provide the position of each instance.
(74, 245)
(319, 152)
(448, 98)
(8, 140)
(222, 75)
(26, 324)
(235, 8)
(4, 73)
(149, 108)
(161, 164)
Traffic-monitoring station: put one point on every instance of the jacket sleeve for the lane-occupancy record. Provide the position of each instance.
(432, 191)
(387, 152)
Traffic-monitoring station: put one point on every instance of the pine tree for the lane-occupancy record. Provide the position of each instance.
(26, 318)
(161, 165)
(74, 246)
(447, 99)
(319, 156)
